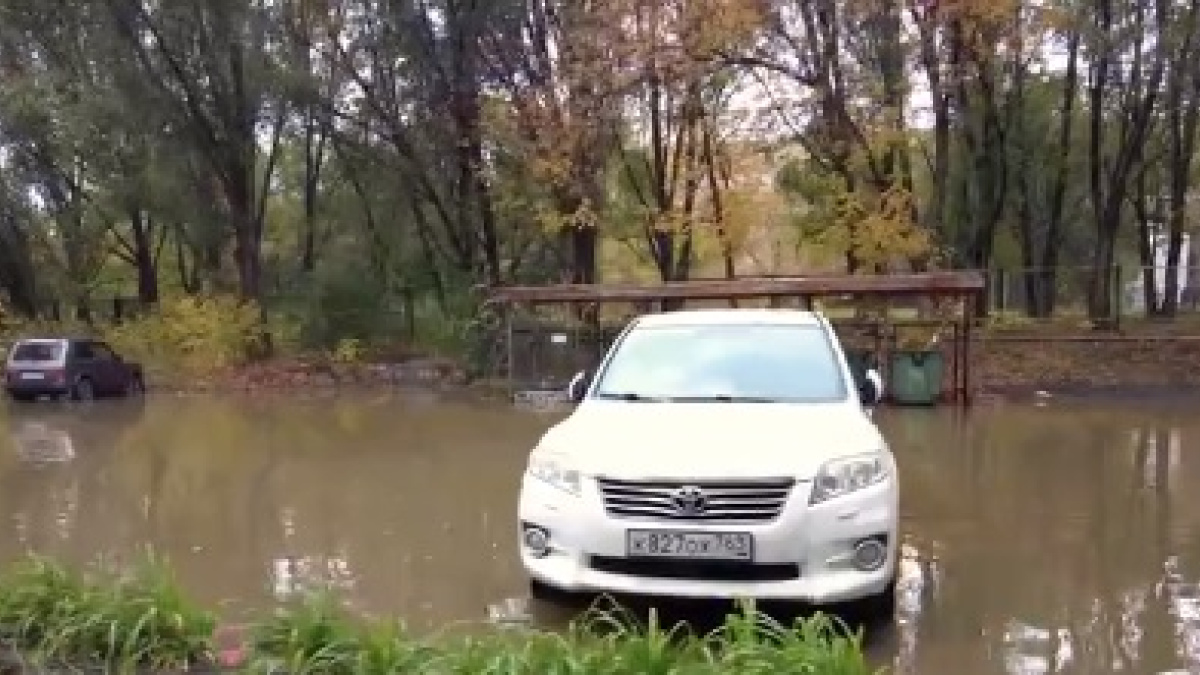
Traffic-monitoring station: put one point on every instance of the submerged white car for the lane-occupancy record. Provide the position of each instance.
(716, 454)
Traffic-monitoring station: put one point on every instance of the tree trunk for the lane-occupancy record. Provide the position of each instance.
(239, 197)
(1100, 305)
(583, 254)
(143, 257)
(314, 159)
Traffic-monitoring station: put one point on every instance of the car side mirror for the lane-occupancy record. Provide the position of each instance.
(579, 386)
(870, 390)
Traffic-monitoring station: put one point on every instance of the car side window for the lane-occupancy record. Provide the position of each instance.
(84, 351)
(102, 352)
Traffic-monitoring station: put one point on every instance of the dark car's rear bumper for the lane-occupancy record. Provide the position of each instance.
(34, 389)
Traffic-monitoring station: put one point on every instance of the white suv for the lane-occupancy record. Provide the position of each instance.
(716, 454)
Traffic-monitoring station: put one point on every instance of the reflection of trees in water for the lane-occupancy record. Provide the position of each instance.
(52, 518)
(244, 498)
(1183, 605)
(1125, 631)
(1105, 637)
(56, 495)
(298, 575)
(38, 491)
(1056, 523)
(42, 507)
(1030, 649)
(1156, 453)
(1128, 622)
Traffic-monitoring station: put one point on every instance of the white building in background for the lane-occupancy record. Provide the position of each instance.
(1135, 298)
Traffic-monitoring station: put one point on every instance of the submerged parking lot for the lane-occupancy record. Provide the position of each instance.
(1037, 539)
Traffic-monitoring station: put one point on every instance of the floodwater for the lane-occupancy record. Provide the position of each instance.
(1037, 539)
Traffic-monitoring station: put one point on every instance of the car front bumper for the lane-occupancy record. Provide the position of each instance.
(815, 541)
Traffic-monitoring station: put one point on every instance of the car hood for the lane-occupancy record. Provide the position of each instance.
(709, 440)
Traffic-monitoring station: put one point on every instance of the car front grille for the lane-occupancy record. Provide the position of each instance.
(744, 501)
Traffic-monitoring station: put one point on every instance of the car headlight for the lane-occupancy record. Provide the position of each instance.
(554, 472)
(843, 476)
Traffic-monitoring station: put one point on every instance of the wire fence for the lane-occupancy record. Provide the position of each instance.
(1121, 292)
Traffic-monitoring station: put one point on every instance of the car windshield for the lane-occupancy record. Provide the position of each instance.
(37, 352)
(731, 362)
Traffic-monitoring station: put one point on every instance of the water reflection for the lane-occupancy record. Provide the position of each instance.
(397, 503)
(1044, 533)
(39, 443)
(51, 433)
(296, 577)
(1036, 540)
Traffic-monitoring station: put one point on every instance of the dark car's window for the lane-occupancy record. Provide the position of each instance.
(788, 362)
(83, 350)
(101, 351)
(37, 352)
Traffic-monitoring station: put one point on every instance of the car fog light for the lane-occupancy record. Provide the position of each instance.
(869, 554)
(537, 540)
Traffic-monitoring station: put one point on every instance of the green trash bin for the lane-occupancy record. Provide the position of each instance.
(916, 377)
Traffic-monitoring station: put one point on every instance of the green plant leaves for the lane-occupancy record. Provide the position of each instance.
(140, 622)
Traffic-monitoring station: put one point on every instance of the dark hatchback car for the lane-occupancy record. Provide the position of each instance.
(80, 369)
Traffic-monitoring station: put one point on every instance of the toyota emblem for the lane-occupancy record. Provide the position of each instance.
(689, 500)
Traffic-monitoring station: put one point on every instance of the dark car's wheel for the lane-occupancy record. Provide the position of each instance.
(83, 390)
(136, 387)
(20, 398)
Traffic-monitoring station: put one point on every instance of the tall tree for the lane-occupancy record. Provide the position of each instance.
(418, 67)
(553, 63)
(211, 64)
(1179, 37)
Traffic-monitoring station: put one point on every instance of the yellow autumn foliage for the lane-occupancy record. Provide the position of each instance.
(348, 351)
(878, 229)
(555, 127)
(190, 336)
(753, 214)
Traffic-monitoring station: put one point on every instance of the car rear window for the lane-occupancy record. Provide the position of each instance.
(37, 352)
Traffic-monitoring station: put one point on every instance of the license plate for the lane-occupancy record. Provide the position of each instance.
(689, 545)
(33, 376)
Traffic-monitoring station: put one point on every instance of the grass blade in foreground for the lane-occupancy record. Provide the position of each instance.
(316, 637)
(142, 622)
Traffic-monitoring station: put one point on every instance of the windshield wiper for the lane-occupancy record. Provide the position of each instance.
(723, 398)
(627, 396)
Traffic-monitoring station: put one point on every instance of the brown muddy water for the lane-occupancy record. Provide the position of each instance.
(1051, 539)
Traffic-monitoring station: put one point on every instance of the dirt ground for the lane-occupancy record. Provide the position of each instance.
(1077, 362)
(1140, 359)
